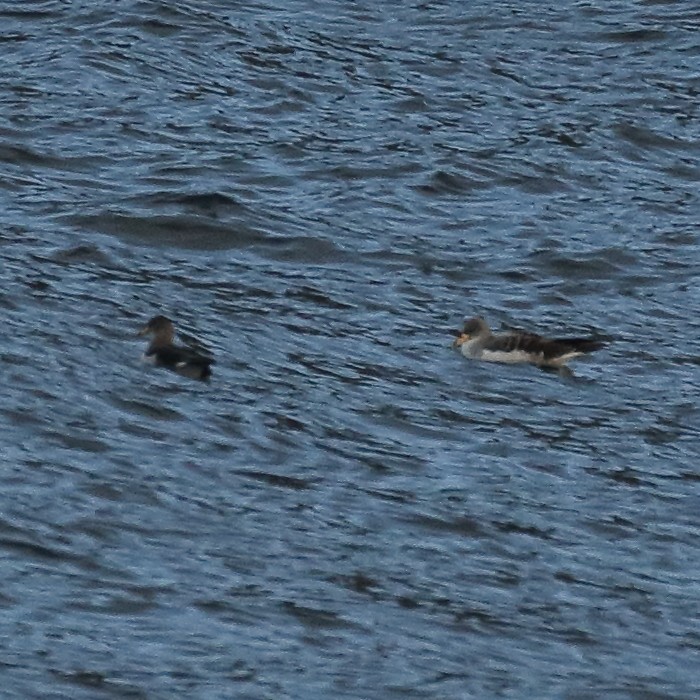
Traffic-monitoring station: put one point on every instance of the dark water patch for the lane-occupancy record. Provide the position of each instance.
(687, 171)
(392, 496)
(315, 619)
(33, 549)
(16, 155)
(167, 232)
(150, 410)
(37, 12)
(511, 527)
(647, 138)
(15, 37)
(141, 431)
(542, 180)
(463, 526)
(361, 583)
(210, 203)
(444, 183)
(285, 422)
(277, 479)
(588, 266)
(21, 417)
(82, 253)
(317, 297)
(158, 27)
(83, 443)
(635, 36)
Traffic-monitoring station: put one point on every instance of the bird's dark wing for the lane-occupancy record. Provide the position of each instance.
(581, 344)
(547, 348)
(183, 361)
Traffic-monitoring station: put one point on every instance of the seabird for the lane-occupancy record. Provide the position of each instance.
(162, 352)
(476, 341)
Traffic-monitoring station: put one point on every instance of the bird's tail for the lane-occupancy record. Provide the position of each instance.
(583, 344)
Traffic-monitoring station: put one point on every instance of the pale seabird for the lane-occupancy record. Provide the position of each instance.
(476, 341)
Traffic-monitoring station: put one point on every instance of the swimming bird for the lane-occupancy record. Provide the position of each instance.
(162, 352)
(476, 341)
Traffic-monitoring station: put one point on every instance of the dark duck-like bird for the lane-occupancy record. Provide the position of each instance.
(162, 352)
(476, 341)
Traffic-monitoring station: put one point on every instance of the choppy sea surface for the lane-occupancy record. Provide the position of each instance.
(318, 193)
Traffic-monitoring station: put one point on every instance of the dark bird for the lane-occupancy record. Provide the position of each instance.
(162, 352)
(476, 341)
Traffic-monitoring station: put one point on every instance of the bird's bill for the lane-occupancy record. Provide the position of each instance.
(461, 339)
(144, 331)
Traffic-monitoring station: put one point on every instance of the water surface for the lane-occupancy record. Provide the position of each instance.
(318, 193)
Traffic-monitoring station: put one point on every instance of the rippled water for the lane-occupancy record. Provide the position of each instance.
(318, 193)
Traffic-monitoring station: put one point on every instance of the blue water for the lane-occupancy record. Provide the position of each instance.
(318, 193)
